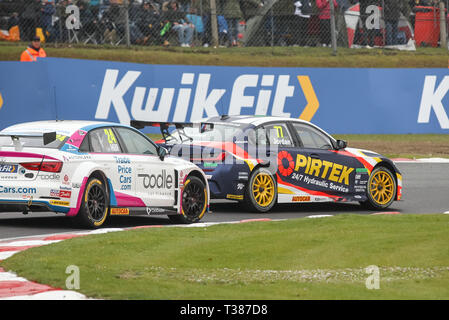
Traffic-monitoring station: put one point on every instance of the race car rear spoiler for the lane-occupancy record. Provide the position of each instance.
(48, 137)
(142, 124)
(164, 126)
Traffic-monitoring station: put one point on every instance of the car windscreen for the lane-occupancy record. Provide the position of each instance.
(33, 142)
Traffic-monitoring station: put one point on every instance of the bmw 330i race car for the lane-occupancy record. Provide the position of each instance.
(262, 161)
(95, 169)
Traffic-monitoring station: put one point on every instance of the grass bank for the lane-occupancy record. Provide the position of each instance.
(250, 56)
(296, 259)
(401, 145)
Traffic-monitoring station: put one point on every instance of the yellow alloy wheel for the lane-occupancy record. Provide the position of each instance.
(381, 187)
(263, 189)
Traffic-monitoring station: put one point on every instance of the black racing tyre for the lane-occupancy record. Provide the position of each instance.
(381, 189)
(261, 191)
(94, 206)
(194, 202)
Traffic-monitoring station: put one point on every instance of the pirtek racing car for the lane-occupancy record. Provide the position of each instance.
(94, 169)
(264, 160)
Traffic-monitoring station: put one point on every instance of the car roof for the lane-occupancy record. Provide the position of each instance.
(64, 127)
(251, 119)
(259, 120)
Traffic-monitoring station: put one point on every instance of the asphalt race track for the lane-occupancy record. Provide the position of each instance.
(426, 190)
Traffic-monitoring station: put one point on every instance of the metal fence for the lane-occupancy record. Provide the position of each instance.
(401, 24)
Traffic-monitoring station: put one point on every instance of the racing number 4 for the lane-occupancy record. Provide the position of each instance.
(111, 136)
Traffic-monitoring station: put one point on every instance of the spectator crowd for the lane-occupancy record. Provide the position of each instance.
(188, 22)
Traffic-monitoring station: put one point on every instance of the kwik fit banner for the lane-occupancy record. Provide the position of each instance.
(338, 100)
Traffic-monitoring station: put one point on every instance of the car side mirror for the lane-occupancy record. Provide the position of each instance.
(162, 152)
(341, 144)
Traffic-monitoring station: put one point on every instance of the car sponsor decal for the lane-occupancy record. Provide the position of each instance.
(155, 211)
(119, 211)
(285, 163)
(159, 183)
(53, 176)
(308, 170)
(19, 190)
(125, 172)
(8, 168)
(301, 199)
(65, 194)
(60, 203)
(74, 142)
(234, 197)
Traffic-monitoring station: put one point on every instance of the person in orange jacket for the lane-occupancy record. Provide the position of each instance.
(33, 51)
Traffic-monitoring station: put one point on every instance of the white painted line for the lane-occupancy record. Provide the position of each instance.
(51, 295)
(320, 216)
(27, 243)
(7, 254)
(447, 212)
(434, 160)
(105, 230)
(9, 276)
(423, 161)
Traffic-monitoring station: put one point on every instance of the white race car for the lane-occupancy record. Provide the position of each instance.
(94, 169)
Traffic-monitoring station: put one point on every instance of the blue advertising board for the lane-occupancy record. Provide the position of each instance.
(344, 101)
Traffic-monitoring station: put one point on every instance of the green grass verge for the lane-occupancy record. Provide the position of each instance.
(413, 146)
(249, 56)
(296, 259)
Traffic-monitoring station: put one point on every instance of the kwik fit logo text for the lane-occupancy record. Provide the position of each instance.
(194, 97)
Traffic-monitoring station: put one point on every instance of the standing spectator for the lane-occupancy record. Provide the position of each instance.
(369, 31)
(197, 22)
(250, 8)
(203, 9)
(33, 51)
(30, 20)
(282, 17)
(233, 14)
(47, 12)
(13, 20)
(179, 23)
(222, 24)
(114, 22)
(149, 22)
(62, 16)
(184, 5)
(325, 20)
(342, 38)
(300, 23)
(392, 13)
(89, 22)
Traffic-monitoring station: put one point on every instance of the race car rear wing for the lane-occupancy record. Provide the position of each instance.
(48, 137)
(164, 126)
